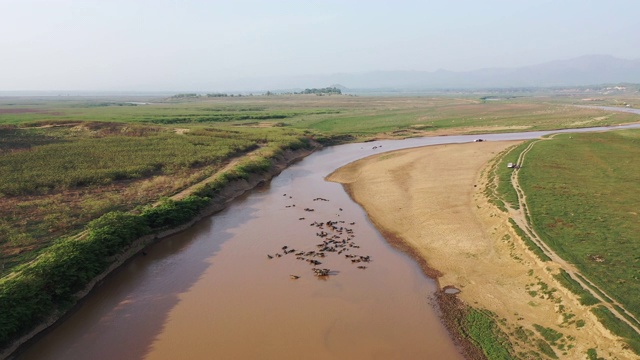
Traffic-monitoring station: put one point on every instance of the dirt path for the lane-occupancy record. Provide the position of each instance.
(433, 200)
(523, 218)
(230, 165)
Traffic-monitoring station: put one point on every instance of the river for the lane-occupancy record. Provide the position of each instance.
(212, 291)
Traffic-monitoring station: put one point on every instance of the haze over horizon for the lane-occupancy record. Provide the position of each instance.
(215, 46)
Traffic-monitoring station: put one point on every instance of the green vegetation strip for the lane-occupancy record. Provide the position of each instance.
(548, 334)
(626, 315)
(618, 327)
(530, 244)
(546, 349)
(582, 192)
(596, 290)
(570, 283)
(482, 329)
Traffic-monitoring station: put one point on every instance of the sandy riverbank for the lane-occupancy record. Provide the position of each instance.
(432, 200)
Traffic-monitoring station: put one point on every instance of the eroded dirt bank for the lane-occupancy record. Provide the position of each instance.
(431, 199)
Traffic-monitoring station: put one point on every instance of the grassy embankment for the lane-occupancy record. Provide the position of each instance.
(582, 196)
(67, 162)
(582, 191)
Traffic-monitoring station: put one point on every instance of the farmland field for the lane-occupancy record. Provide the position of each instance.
(335, 114)
(65, 162)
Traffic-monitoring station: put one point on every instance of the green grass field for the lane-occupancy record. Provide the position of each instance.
(582, 192)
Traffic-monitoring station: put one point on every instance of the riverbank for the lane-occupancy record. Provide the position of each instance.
(219, 201)
(431, 199)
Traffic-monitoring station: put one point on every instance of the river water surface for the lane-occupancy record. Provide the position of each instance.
(211, 292)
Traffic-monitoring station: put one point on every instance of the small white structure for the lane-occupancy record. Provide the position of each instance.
(510, 165)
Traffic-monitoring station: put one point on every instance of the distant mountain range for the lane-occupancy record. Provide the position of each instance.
(584, 70)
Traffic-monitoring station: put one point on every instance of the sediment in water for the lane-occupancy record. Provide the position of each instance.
(452, 310)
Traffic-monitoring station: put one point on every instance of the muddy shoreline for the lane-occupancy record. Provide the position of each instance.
(230, 192)
(452, 309)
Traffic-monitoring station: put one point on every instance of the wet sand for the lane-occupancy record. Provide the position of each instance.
(431, 199)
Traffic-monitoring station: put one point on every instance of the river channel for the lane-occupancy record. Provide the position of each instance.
(211, 292)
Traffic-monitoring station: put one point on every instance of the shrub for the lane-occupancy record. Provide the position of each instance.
(49, 282)
(483, 331)
(172, 213)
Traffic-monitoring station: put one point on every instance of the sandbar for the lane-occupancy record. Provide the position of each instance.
(432, 200)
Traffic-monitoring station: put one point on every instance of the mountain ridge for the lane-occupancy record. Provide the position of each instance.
(579, 71)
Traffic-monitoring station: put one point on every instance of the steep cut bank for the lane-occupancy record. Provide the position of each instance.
(218, 197)
(431, 199)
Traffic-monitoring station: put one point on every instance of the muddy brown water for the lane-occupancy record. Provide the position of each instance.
(212, 292)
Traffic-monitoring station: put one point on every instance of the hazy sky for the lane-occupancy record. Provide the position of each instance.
(189, 44)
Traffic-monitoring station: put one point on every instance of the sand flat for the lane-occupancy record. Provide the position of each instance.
(432, 199)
